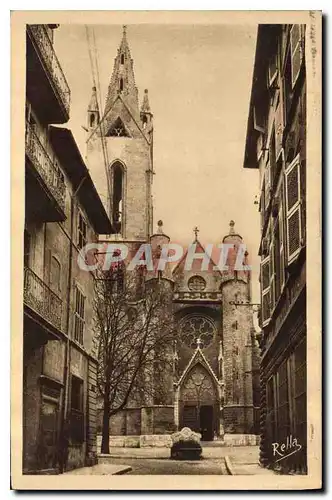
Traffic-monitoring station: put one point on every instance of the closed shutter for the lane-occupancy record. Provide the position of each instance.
(293, 206)
(296, 51)
(281, 240)
(265, 290)
(272, 276)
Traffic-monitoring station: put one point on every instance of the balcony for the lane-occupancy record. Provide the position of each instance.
(45, 185)
(42, 301)
(47, 87)
(197, 296)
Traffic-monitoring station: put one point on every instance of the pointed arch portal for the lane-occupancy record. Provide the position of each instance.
(198, 403)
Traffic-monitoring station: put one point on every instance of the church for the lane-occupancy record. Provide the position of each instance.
(214, 381)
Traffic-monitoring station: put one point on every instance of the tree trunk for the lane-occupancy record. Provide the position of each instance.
(105, 442)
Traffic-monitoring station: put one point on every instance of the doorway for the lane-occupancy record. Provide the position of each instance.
(206, 422)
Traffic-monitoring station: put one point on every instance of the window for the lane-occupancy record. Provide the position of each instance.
(55, 274)
(27, 248)
(196, 284)
(296, 51)
(79, 316)
(122, 58)
(117, 129)
(273, 68)
(293, 207)
(81, 231)
(121, 84)
(117, 193)
(76, 396)
(76, 410)
(278, 129)
(265, 290)
(196, 329)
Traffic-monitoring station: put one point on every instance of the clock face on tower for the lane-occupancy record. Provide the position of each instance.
(197, 329)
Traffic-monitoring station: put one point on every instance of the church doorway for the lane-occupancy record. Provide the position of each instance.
(206, 422)
(198, 403)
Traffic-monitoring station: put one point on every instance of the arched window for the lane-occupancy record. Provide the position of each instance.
(92, 119)
(117, 192)
(121, 84)
(196, 326)
(122, 58)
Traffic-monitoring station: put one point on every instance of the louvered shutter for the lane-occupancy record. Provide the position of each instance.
(293, 206)
(272, 276)
(281, 240)
(296, 51)
(265, 290)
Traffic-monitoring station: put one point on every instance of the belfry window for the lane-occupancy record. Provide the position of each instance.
(118, 178)
(122, 58)
(92, 120)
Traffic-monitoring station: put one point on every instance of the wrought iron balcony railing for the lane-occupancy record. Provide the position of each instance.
(51, 175)
(46, 49)
(39, 297)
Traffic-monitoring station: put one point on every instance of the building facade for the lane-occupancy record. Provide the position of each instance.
(212, 383)
(62, 212)
(276, 146)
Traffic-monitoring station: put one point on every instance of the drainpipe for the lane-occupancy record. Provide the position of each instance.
(64, 438)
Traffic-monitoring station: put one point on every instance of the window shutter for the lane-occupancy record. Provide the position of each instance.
(272, 276)
(281, 239)
(296, 51)
(267, 184)
(273, 69)
(278, 129)
(293, 206)
(265, 290)
(259, 121)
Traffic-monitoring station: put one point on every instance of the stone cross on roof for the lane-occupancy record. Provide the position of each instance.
(196, 231)
(199, 343)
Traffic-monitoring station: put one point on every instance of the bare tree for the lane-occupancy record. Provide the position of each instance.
(134, 340)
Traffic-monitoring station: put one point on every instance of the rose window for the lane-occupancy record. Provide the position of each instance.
(195, 327)
(197, 284)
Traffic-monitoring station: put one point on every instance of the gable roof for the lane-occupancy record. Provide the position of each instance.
(199, 246)
(103, 120)
(198, 358)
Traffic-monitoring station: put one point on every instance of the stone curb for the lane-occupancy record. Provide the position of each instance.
(229, 466)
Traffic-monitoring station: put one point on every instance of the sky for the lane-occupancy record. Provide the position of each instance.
(199, 81)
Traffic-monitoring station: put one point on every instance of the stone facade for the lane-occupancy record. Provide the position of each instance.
(215, 344)
(276, 146)
(59, 377)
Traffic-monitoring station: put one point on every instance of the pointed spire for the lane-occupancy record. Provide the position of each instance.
(123, 80)
(145, 104)
(160, 227)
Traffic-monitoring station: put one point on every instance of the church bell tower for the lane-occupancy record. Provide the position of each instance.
(120, 151)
